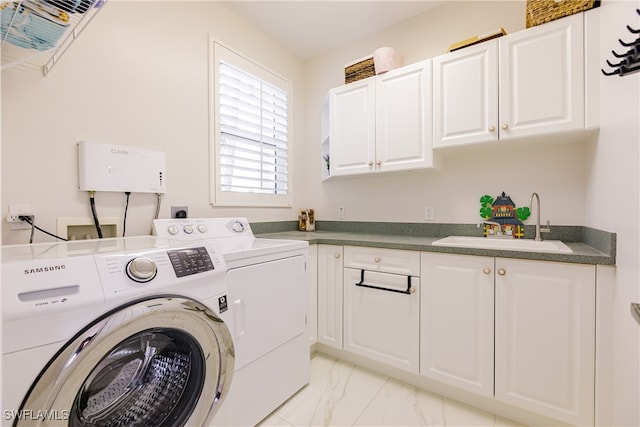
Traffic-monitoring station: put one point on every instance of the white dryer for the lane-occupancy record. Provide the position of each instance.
(267, 292)
(118, 332)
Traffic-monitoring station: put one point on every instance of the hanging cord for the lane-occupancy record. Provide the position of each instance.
(35, 227)
(92, 201)
(126, 208)
(158, 203)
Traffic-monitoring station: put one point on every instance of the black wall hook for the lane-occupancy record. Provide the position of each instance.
(629, 61)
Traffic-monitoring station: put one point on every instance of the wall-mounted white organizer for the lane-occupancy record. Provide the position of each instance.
(36, 33)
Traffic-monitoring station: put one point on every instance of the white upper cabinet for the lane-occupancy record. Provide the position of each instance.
(352, 128)
(404, 119)
(542, 79)
(382, 123)
(524, 84)
(465, 93)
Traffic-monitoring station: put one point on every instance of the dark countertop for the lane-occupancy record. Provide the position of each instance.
(600, 248)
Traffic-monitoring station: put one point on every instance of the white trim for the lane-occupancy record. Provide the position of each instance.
(217, 51)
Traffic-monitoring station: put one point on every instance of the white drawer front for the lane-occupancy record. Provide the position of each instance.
(396, 261)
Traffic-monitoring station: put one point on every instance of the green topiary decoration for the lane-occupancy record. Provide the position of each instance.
(523, 213)
(485, 206)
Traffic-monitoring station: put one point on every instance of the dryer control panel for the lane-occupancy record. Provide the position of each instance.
(190, 229)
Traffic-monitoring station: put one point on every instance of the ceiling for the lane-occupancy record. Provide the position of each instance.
(309, 28)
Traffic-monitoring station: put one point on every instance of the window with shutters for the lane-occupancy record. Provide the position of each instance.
(251, 150)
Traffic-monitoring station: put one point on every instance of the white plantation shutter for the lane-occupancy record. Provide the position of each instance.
(252, 134)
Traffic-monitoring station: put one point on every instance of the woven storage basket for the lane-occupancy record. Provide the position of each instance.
(361, 69)
(541, 11)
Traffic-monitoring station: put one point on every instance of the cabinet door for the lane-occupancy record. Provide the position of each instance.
(403, 118)
(465, 96)
(545, 338)
(330, 295)
(382, 324)
(456, 326)
(542, 79)
(312, 294)
(352, 128)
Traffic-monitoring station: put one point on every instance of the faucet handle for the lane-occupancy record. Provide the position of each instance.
(546, 229)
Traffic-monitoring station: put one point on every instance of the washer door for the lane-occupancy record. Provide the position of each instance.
(163, 361)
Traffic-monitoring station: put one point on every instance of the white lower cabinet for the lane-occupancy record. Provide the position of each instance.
(545, 338)
(382, 317)
(456, 326)
(330, 295)
(312, 295)
(520, 331)
(382, 305)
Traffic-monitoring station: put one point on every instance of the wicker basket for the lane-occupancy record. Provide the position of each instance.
(541, 11)
(360, 69)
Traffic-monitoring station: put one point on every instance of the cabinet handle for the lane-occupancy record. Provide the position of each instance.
(492, 128)
(502, 272)
(505, 126)
(379, 162)
(376, 260)
(370, 163)
(410, 290)
(337, 256)
(486, 270)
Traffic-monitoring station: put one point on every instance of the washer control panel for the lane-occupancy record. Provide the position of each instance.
(169, 269)
(190, 261)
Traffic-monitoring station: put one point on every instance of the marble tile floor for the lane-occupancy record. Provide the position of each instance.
(342, 394)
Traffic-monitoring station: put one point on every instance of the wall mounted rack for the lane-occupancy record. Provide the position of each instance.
(629, 62)
(36, 33)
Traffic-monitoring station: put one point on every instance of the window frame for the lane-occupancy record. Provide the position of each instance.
(221, 52)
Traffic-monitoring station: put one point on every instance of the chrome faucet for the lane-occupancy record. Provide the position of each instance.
(538, 238)
(484, 221)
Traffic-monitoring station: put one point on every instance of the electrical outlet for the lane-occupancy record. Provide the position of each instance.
(179, 211)
(340, 212)
(429, 213)
(17, 210)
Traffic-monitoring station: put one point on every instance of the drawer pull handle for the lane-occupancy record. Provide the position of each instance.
(408, 291)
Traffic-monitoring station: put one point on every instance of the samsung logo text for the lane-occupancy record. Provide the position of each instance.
(46, 269)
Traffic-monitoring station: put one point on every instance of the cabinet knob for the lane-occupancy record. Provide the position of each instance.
(370, 163)
(379, 162)
(505, 126)
(337, 256)
(376, 259)
(502, 272)
(412, 290)
(486, 270)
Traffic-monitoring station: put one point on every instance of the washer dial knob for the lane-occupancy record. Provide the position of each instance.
(238, 227)
(173, 229)
(188, 229)
(141, 270)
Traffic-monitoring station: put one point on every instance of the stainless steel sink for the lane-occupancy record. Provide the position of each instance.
(526, 245)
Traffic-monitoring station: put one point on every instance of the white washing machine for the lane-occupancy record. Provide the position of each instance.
(267, 293)
(117, 332)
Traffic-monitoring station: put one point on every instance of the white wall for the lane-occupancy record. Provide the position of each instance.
(613, 204)
(557, 173)
(137, 76)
